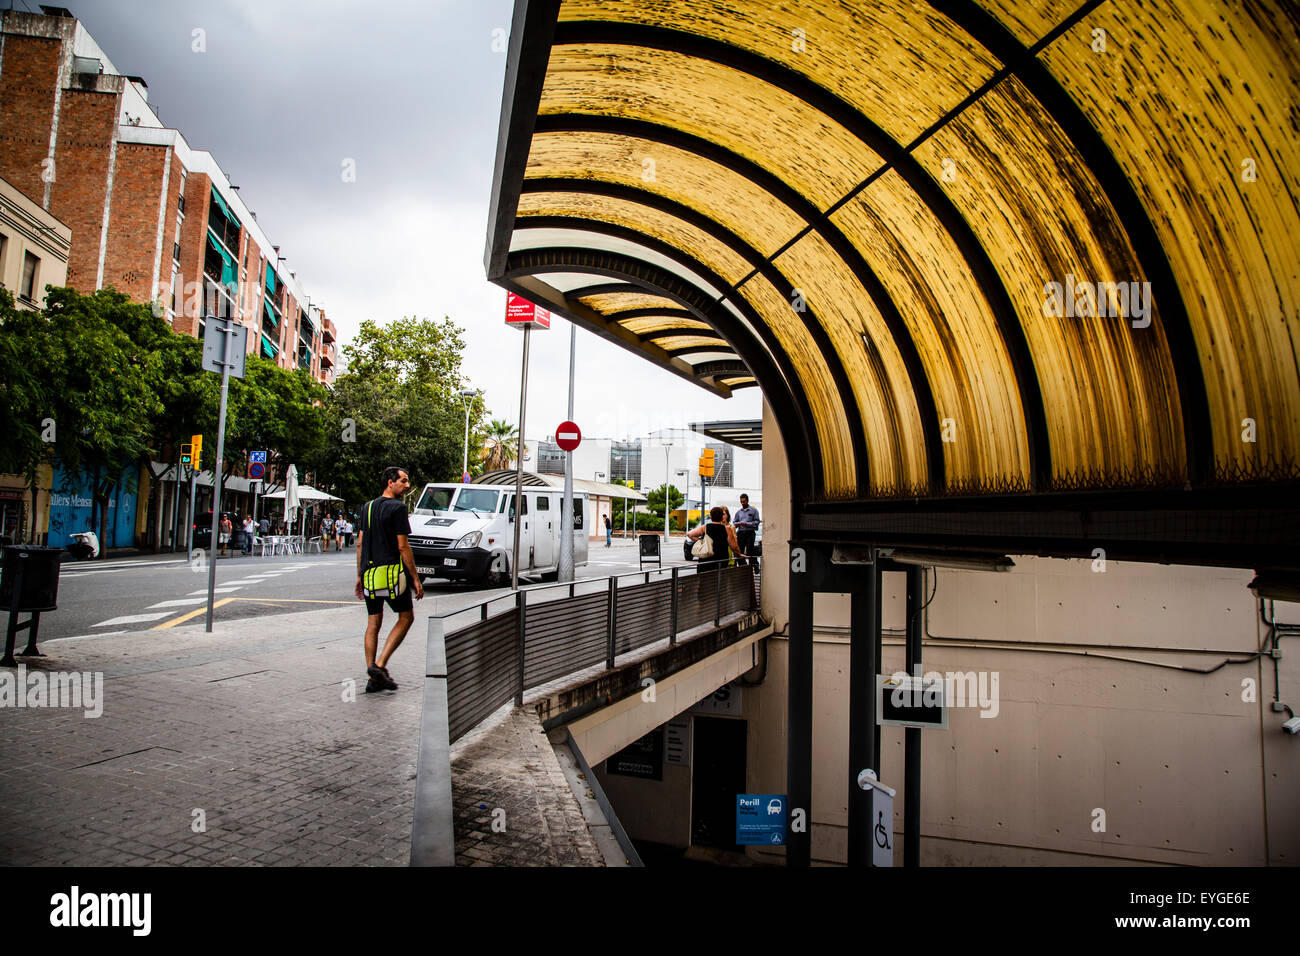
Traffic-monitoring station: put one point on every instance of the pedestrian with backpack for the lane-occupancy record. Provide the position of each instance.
(386, 573)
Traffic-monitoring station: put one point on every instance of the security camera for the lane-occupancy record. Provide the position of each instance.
(1292, 726)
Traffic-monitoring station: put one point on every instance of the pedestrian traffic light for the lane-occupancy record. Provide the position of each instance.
(706, 463)
(187, 454)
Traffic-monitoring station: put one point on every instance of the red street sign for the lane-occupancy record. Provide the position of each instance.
(567, 436)
(521, 312)
(256, 470)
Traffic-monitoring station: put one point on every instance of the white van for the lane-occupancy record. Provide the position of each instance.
(467, 532)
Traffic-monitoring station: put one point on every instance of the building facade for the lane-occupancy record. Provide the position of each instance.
(148, 214)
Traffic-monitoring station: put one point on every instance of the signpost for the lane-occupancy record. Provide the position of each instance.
(520, 313)
(568, 435)
(221, 338)
(256, 472)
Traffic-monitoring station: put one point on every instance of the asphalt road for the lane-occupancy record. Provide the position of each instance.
(98, 599)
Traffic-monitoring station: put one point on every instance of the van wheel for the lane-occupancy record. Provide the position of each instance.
(496, 578)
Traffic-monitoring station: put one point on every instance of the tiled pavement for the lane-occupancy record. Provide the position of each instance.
(253, 746)
(513, 803)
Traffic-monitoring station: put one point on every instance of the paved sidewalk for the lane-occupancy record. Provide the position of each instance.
(257, 745)
(263, 726)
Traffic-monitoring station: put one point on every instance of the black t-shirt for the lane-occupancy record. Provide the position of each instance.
(388, 518)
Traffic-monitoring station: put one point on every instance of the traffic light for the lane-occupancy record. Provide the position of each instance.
(187, 454)
(706, 463)
(197, 441)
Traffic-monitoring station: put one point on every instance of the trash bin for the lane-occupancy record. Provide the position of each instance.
(40, 585)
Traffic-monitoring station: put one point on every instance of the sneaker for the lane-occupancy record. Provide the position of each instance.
(380, 676)
(372, 686)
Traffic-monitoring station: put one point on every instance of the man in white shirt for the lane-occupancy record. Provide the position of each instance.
(250, 529)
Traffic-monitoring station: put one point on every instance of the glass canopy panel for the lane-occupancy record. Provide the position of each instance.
(1111, 401)
(727, 198)
(1031, 20)
(1214, 161)
(895, 438)
(691, 240)
(645, 324)
(961, 348)
(899, 62)
(839, 469)
(606, 302)
(549, 237)
(740, 112)
(673, 342)
(568, 281)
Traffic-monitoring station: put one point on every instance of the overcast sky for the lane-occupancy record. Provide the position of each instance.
(289, 89)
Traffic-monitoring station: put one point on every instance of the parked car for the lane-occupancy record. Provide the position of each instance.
(203, 531)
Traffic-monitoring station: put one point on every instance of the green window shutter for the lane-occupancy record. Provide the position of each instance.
(225, 209)
(229, 268)
(270, 314)
(270, 281)
(268, 347)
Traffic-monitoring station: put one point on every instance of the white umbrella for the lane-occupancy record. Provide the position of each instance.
(291, 499)
(305, 493)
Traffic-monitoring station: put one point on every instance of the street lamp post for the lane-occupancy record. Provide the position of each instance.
(467, 396)
(667, 445)
(687, 495)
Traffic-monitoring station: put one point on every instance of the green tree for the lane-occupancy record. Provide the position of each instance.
(655, 499)
(26, 402)
(103, 373)
(397, 404)
(500, 444)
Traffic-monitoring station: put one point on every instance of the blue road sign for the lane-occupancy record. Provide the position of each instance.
(760, 818)
(257, 456)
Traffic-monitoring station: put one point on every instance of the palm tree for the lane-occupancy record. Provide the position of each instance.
(501, 445)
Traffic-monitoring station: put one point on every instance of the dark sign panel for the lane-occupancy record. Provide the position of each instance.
(642, 758)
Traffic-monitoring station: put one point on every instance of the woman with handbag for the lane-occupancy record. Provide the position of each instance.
(712, 541)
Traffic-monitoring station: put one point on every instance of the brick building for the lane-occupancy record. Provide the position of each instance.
(149, 215)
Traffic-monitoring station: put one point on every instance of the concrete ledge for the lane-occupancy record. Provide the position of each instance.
(682, 676)
(590, 691)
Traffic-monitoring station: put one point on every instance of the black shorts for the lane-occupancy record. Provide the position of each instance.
(399, 604)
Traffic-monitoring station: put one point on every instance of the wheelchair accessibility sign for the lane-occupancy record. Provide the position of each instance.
(760, 819)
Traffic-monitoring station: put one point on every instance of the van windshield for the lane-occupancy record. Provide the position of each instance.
(434, 499)
(476, 499)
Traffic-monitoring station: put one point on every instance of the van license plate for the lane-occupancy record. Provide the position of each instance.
(450, 562)
(428, 571)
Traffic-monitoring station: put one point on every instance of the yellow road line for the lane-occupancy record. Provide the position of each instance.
(189, 614)
(290, 601)
(203, 610)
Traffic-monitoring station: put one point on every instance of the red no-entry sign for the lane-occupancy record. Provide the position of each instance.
(568, 436)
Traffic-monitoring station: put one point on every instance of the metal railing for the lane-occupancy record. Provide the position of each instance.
(543, 633)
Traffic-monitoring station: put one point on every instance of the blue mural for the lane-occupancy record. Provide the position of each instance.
(72, 509)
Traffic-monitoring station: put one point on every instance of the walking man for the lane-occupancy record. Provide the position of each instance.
(609, 532)
(746, 524)
(250, 529)
(386, 572)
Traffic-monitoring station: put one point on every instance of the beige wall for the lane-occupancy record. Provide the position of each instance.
(26, 227)
(1094, 713)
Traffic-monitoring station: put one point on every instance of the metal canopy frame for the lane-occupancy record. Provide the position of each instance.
(990, 504)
